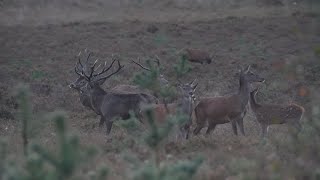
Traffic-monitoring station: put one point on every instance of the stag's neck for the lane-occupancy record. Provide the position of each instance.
(244, 91)
(96, 98)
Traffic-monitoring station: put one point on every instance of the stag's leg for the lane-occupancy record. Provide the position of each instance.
(198, 128)
(210, 128)
(263, 129)
(109, 126)
(240, 124)
(101, 121)
(234, 127)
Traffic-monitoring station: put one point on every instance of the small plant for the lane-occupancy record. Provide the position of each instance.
(40, 162)
(182, 67)
(37, 74)
(157, 135)
(317, 51)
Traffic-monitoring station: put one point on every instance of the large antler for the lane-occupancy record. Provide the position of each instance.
(118, 69)
(80, 69)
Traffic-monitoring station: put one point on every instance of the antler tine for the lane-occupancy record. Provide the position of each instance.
(88, 57)
(105, 69)
(145, 68)
(119, 68)
(92, 68)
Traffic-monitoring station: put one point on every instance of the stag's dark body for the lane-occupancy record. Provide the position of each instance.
(111, 106)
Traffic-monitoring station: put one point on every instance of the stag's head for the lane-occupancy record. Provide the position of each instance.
(249, 76)
(92, 75)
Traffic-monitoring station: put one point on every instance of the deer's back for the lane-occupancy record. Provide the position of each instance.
(196, 55)
(119, 104)
(160, 113)
(219, 106)
(277, 114)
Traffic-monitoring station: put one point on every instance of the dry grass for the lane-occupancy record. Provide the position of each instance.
(266, 37)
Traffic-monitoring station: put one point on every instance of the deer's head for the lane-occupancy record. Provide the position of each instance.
(249, 76)
(187, 91)
(94, 75)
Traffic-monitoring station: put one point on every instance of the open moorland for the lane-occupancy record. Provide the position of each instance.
(40, 41)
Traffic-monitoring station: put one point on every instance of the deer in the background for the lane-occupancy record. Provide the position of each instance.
(268, 114)
(184, 106)
(225, 109)
(197, 56)
(108, 105)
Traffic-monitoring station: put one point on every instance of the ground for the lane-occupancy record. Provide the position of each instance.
(40, 41)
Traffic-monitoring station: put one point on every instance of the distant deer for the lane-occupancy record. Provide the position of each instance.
(268, 114)
(184, 106)
(225, 109)
(197, 56)
(108, 105)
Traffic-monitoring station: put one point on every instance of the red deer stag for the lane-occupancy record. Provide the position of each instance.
(268, 114)
(80, 82)
(225, 109)
(108, 105)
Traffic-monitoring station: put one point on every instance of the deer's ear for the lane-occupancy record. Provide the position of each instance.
(191, 83)
(247, 69)
(195, 87)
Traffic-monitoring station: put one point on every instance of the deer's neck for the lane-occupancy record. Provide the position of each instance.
(244, 91)
(96, 98)
(185, 105)
(253, 103)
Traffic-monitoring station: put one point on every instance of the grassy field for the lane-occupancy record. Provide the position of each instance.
(40, 40)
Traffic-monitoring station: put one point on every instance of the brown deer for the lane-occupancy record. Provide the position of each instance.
(197, 56)
(268, 114)
(225, 109)
(184, 106)
(108, 105)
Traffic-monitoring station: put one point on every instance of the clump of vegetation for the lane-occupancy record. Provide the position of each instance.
(157, 135)
(40, 163)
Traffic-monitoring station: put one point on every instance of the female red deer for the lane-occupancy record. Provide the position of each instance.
(268, 114)
(184, 106)
(221, 110)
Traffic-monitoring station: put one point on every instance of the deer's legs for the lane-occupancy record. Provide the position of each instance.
(101, 122)
(198, 128)
(240, 124)
(263, 129)
(234, 127)
(210, 128)
(109, 126)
